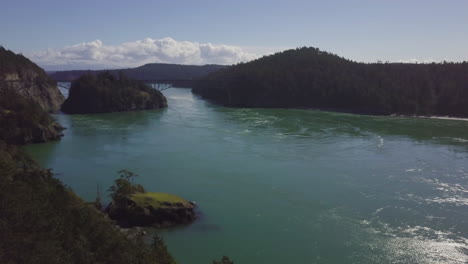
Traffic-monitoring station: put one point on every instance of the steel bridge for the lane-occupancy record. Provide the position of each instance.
(159, 85)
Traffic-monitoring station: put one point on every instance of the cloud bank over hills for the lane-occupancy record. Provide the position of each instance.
(97, 55)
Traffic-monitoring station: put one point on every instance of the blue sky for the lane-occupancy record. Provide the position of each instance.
(92, 34)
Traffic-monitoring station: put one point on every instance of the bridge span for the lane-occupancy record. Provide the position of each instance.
(159, 85)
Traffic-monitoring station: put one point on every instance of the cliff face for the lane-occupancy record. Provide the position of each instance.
(29, 80)
(27, 95)
(31, 86)
(23, 121)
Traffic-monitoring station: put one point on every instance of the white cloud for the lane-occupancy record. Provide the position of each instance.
(97, 55)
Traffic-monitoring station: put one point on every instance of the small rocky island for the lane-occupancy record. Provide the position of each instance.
(106, 93)
(132, 206)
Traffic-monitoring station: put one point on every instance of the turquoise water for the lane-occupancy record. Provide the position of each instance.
(283, 186)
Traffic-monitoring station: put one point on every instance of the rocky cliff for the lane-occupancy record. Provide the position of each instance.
(24, 121)
(29, 80)
(27, 95)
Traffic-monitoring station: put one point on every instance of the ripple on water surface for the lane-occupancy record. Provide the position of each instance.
(284, 185)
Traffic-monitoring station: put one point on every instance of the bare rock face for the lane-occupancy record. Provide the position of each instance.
(31, 85)
(27, 95)
(29, 80)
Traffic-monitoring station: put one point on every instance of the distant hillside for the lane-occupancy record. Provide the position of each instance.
(311, 78)
(150, 72)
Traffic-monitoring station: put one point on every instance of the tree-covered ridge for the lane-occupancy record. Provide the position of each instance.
(149, 72)
(311, 78)
(106, 93)
(42, 221)
(23, 121)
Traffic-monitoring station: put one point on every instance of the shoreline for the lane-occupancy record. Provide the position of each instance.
(452, 118)
(335, 110)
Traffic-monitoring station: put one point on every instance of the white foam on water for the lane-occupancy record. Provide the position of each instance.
(380, 142)
(452, 139)
(432, 246)
(413, 170)
(379, 210)
(460, 140)
(417, 244)
(449, 193)
(458, 201)
(445, 118)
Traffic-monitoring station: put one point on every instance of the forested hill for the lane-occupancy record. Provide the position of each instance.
(104, 93)
(152, 71)
(311, 78)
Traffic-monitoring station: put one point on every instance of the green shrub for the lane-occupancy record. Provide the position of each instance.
(124, 187)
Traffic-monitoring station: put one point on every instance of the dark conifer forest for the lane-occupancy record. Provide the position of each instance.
(311, 78)
(106, 93)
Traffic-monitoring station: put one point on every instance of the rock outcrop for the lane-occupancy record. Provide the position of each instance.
(29, 80)
(24, 121)
(153, 209)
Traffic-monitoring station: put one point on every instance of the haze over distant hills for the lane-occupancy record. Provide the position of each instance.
(149, 72)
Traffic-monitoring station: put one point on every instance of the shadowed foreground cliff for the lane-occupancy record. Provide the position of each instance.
(105, 93)
(41, 220)
(310, 78)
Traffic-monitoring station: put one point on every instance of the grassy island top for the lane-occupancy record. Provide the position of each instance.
(159, 200)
